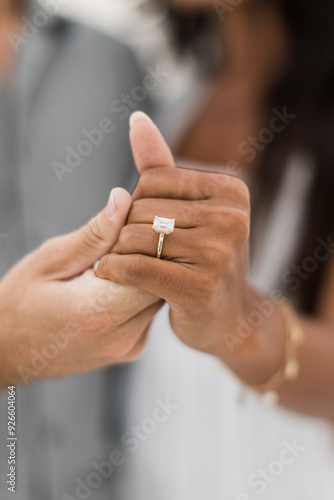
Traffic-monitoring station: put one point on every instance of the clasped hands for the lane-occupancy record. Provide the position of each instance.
(58, 316)
(202, 274)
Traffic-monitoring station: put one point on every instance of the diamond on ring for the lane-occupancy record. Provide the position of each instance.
(165, 226)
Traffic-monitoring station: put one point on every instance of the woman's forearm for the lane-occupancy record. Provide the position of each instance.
(256, 358)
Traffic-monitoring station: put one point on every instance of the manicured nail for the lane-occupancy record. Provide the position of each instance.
(111, 207)
(96, 266)
(137, 115)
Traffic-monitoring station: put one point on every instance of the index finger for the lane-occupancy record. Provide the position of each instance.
(185, 184)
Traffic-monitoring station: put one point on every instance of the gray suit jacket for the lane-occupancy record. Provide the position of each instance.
(56, 171)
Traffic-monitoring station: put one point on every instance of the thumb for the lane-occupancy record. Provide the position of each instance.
(72, 254)
(148, 146)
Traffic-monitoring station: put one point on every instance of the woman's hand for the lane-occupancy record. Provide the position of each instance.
(202, 274)
(58, 318)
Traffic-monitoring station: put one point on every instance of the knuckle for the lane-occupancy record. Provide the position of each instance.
(208, 288)
(212, 186)
(98, 324)
(104, 299)
(145, 177)
(235, 225)
(134, 267)
(126, 270)
(136, 210)
(214, 211)
(214, 253)
(236, 188)
(221, 258)
(105, 267)
(192, 213)
(222, 182)
(127, 235)
(93, 235)
(145, 181)
(205, 244)
(243, 232)
(242, 192)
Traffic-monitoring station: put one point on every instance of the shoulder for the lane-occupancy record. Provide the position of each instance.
(96, 48)
(53, 38)
(91, 39)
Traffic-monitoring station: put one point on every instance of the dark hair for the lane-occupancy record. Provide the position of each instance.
(307, 90)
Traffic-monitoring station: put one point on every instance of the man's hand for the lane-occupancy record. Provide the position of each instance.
(58, 318)
(202, 274)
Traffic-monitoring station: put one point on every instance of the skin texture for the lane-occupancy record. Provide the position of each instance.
(53, 297)
(205, 256)
(205, 260)
(202, 275)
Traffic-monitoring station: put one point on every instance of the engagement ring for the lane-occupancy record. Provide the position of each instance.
(162, 226)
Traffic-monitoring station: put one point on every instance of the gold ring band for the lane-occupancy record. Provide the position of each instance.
(160, 245)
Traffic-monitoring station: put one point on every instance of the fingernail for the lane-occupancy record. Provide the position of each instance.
(111, 207)
(137, 115)
(96, 266)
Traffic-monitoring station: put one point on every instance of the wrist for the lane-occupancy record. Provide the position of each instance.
(255, 348)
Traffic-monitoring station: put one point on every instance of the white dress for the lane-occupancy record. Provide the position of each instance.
(216, 440)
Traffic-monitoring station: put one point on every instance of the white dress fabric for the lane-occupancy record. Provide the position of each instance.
(219, 436)
(221, 441)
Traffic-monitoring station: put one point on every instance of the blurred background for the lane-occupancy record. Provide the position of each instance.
(127, 20)
(68, 81)
(112, 16)
(142, 27)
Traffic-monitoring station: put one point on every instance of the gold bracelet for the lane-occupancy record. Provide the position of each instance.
(289, 368)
